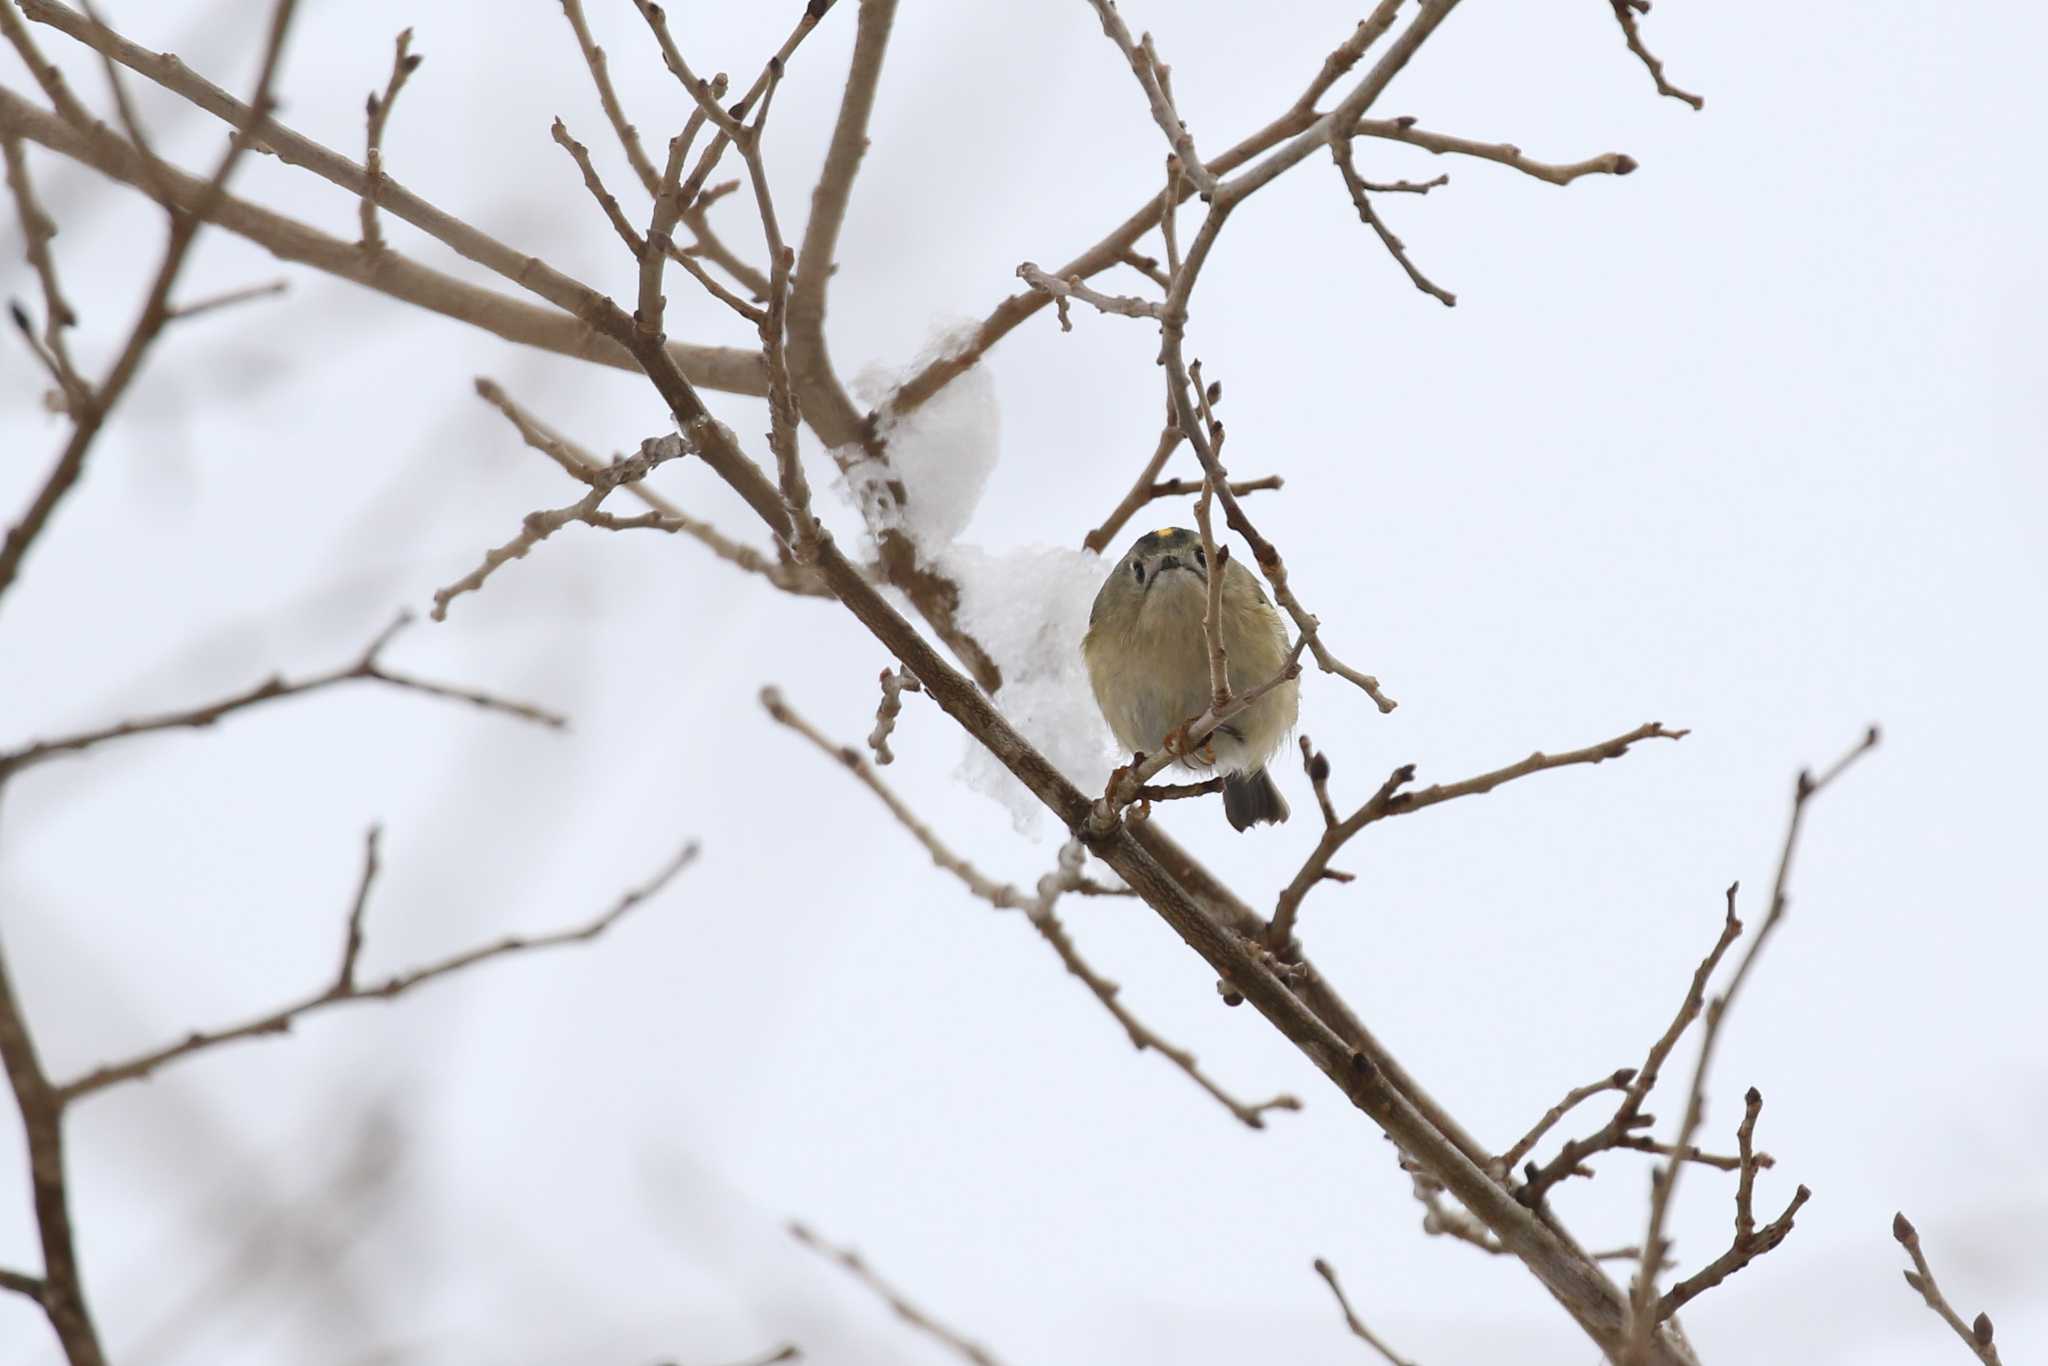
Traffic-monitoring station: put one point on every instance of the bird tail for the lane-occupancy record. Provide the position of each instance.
(1251, 798)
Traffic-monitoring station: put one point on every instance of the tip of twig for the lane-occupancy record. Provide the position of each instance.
(1902, 1229)
(1980, 1329)
(1624, 164)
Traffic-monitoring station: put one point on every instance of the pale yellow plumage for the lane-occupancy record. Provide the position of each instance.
(1149, 664)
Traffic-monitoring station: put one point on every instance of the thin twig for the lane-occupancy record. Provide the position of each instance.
(600, 76)
(1340, 152)
(1505, 1163)
(536, 527)
(1628, 1116)
(1978, 1332)
(1645, 1310)
(90, 418)
(378, 112)
(904, 1309)
(228, 299)
(1141, 492)
(1124, 305)
(713, 367)
(594, 183)
(1625, 15)
(37, 228)
(1358, 1330)
(367, 667)
(582, 465)
(343, 990)
(1389, 800)
(1180, 488)
(895, 683)
(1183, 740)
(1037, 908)
(1404, 129)
(1151, 74)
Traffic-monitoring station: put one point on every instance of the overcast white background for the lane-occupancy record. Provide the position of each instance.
(1751, 441)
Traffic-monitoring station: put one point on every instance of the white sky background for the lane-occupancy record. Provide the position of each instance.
(1750, 441)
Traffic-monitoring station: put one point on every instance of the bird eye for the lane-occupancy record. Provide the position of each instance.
(1138, 570)
(1200, 558)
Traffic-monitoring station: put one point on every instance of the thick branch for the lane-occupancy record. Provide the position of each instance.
(389, 272)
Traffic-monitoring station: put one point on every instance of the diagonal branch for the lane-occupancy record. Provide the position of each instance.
(810, 362)
(1351, 1321)
(549, 328)
(1664, 1182)
(1037, 909)
(345, 990)
(367, 667)
(1340, 152)
(90, 418)
(716, 365)
(537, 526)
(1389, 800)
(600, 76)
(377, 113)
(582, 465)
(1625, 15)
(963, 1347)
(1977, 1335)
(37, 229)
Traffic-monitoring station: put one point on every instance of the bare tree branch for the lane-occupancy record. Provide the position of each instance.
(1977, 1334)
(895, 683)
(36, 230)
(1505, 1164)
(344, 990)
(1664, 1182)
(1403, 129)
(378, 112)
(87, 420)
(1141, 492)
(367, 667)
(390, 273)
(582, 465)
(904, 1309)
(1749, 1242)
(229, 299)
(1340, 152)
(1389, 800)
(1625, 15)
(600, 76)
(714, 367)
(536, 527)
(1351, 1321)
(1123, 305)
(1037, 909)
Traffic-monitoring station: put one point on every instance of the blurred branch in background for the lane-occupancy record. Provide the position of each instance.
(1351, 1320)
(963, 1347)
(1977, 1334)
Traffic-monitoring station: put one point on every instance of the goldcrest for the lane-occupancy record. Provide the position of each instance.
(1149, 664)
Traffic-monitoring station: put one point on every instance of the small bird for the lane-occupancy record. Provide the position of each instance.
(1149, 665)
